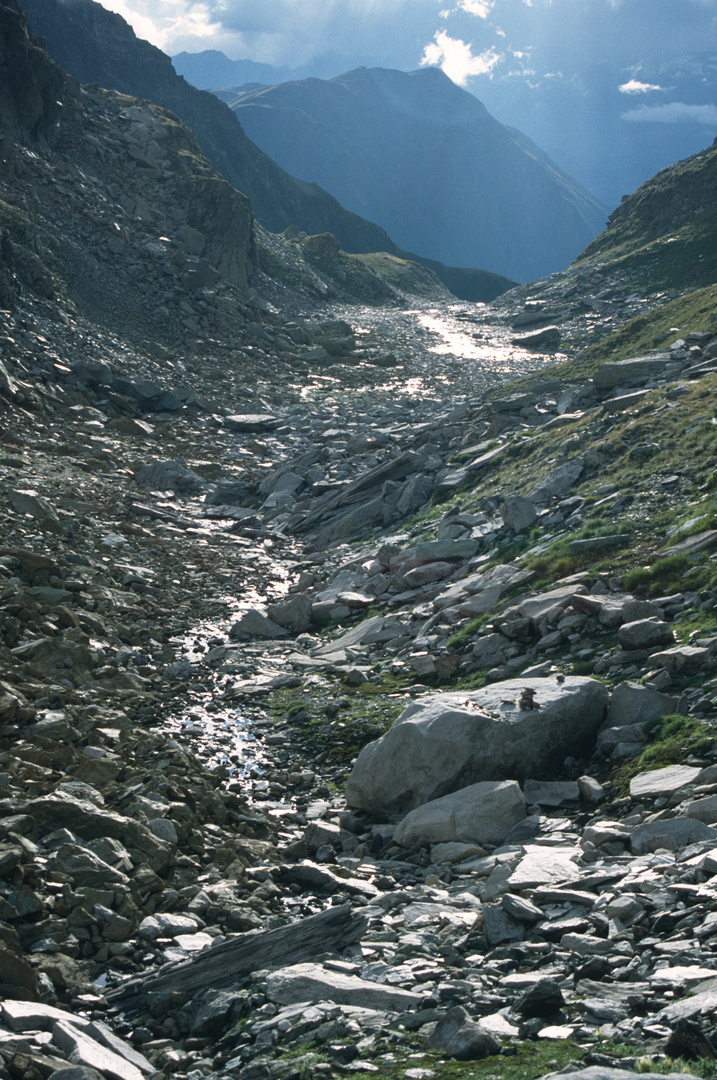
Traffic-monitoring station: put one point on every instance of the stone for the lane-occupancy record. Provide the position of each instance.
(682, 659)
(542, 999)
(83, 1050)
(518, 513)
(671, 833)
(459, 1037)
(294, 613)
(551, 793)
(557, 482)
(662, 782)
(169, 476)
(214, 1011)
(250, 422)
(541, 866)
(635, 370)
(313, 983)
(703, 809)
(443, 742)
(644, 633)
(591, 790)
(454, 852)
(547, 338)
(483, 813)
(256, 624)
(164, 829)
(166, 924)
(632, 703)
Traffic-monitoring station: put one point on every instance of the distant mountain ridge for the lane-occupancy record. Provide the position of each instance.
(426, 161)
(96, 45)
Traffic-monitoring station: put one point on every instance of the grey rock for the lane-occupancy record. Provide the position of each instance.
(293, 613)
(632, 703)
(256, 624)
(462, 1038)
(635, 370)
(170, 476)
(518, 513)
(483, 813)
(443, 742)
(542, 999)
(671, 833)
(666, 781)
(314, 983)
(682, 659)
(557, 482)
(85, 1051)
(644, 633)
(551, 793)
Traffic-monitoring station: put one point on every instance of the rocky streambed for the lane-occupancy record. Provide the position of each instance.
(222, 576)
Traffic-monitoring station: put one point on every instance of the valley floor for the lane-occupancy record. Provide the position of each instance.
(258, 574)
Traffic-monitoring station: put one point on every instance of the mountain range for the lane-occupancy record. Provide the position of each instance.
(426, 160)
(97, 46)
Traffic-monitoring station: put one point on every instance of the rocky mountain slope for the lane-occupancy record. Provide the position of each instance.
(234, 551)
(97, 46)
(424, 158)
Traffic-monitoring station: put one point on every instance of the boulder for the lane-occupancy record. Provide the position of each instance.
(557, 482)
(293, 613)
(644, 633)
(518, 513)
(634, 704)
(443, 742)
(459, 1037)
(256, 623)
(672, 834)
(663, 782)
(482, 814)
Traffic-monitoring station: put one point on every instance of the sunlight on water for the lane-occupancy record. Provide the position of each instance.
(466, 345)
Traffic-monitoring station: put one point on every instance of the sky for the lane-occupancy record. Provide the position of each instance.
(547, 67)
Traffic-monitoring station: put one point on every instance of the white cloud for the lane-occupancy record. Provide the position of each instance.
(455, 58)
(676, 112)
(634, 86)
(482, 8)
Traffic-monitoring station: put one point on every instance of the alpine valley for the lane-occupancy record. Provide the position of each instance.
(358, 642)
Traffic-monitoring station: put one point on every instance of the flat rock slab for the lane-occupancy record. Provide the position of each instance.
(618, 372)
(313, 983)
(83, 1050)
(251, 422)
(443, 742)
(672, 834)
(542, 866)
(665, 781)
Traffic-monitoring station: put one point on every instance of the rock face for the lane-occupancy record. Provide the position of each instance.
(446, 741)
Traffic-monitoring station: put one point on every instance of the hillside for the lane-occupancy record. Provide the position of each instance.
(426, 160)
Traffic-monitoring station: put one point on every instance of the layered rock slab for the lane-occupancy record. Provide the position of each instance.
(443, 742)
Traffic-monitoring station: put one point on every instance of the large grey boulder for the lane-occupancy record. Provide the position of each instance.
(443, 742)
(482, 814)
